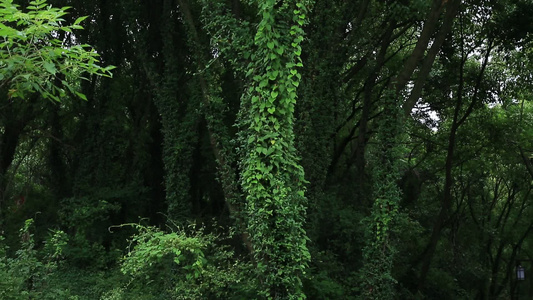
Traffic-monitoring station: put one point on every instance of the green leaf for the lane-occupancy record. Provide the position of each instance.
(273, 75)
(251, 139)
(270, 45)
(50, 67)
(82, 96)
(80, 19)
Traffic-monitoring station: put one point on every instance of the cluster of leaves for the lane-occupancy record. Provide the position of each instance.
(39, 54)
(151, 245)
(187, 265)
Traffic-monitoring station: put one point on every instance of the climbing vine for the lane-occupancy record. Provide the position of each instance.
(179, 119)
(271, 175)
(377, 281)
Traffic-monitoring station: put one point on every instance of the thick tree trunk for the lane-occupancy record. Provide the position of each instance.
(218, 133)
(362, 137)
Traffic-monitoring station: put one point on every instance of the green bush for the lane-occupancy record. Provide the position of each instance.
(27, 275)
(186, 264)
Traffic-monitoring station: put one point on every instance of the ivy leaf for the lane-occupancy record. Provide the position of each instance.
(273, 75)
(270, 45)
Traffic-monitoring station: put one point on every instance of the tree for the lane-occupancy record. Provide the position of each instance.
(39, 57)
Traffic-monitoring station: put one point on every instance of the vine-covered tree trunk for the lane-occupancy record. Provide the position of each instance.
(271, 175)
(179, 119)
(377, 281)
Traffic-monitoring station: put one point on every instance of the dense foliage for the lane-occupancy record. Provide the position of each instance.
(273, 149)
